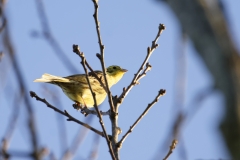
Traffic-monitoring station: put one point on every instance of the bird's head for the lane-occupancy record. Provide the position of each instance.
(115, 72)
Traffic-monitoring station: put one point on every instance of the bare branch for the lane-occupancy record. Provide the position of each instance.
(83, 62)
(171, 148)
(65, 113)
(144, 73)
(162, 92)
(101, 55)
(161, 27)
(138, 76)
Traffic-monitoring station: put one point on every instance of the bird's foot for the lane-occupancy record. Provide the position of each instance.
(77, 106)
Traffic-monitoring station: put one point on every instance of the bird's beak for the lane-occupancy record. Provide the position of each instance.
(124, 70)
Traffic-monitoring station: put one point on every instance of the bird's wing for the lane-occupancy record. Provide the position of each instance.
(82, 78)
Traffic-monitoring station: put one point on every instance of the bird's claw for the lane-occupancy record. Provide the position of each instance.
(77, 106)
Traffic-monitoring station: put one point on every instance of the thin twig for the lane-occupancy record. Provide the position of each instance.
(144, 73)
(101, 55)
(171, 148)
(138, 76)
(160, 93)
(83, 62)
(65, 113)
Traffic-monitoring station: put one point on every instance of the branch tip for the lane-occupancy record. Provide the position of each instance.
(162, 26)
(32, 94)
(76, 48)
(174, 144)
(162, 92)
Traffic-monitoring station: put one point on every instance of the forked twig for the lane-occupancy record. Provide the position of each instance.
(144, 73)
(65, 113)
(138, 76)
(160, 93)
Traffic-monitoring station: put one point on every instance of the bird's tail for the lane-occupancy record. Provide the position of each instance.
(48, 78)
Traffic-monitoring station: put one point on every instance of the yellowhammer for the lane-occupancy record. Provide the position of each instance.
(76, 86)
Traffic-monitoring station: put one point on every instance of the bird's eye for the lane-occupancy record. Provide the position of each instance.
(114, 68)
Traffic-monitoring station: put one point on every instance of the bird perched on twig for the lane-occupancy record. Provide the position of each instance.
(77, 89)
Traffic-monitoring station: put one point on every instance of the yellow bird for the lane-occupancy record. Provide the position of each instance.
(77, 89)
